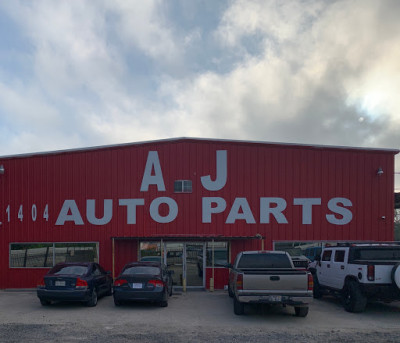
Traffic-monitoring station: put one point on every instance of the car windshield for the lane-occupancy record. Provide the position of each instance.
(141, 270)
(264, 261)
(69, 270)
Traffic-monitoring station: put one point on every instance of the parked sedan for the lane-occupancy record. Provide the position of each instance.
(143, 281)
(83, 282)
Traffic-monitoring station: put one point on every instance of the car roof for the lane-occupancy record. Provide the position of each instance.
(86, 264)
(144, 264)
(264, 252)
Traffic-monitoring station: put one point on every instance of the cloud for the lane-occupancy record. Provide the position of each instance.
(323, 66)
(317, 72)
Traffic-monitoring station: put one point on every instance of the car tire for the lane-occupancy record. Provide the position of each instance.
(353, 299)
(93, 299)
(230, 292)
(317, 292)
(109, 292)
(164, 303)
(238, 307)
(117, 302)
(45, 302)
(301, 311)
(396, 275)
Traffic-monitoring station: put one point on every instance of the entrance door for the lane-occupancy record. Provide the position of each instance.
(185, 259)
(174, 260)
(194, 264)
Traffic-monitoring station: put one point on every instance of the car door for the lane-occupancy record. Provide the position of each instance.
(338, 268)
(324, 267)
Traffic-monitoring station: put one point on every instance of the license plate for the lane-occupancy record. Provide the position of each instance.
(275, 298)
(136, 285)
(59, 283)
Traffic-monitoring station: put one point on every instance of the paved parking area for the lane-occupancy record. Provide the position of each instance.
(192, 316)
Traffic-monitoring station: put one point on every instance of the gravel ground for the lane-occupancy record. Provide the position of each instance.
(194, 317)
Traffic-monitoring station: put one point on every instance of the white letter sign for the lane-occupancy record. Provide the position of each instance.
(222, 173)
(75, 216)
(148, 178)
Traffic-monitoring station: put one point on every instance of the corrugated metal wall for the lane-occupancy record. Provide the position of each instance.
(254, 170)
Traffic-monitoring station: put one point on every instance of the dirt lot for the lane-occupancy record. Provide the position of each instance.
(192, 316)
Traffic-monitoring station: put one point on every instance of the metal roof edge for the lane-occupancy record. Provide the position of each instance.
(217, 140)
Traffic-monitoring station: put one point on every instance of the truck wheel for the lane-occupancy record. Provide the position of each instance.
(238, 307)
(396, 275)
(353, 299)
(230, 293)
(317, 292)
(301, 311)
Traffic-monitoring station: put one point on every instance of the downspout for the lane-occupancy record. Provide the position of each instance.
(212, 266)
(113, 257)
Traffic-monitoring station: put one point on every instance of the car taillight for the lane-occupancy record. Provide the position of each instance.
(120, 282)
(155, 283)
(41, 283)
(310, 282)
(239, 282)
(371, 272)
(81, 283)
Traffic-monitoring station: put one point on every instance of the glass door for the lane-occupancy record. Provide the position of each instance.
(194, 264)
(174, 258)
(186, 260)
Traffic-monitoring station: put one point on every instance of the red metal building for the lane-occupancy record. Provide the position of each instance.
(192, 202)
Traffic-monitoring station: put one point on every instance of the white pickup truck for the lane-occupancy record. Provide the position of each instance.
(358, 272)
(269, 277)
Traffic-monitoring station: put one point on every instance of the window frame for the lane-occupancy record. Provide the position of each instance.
(182, 186)
(51, 245)
(339, 253)
(218, 245)
(326, 253)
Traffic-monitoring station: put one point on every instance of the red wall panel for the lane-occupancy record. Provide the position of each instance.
(254, 171)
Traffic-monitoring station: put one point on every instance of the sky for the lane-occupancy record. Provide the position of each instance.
(82, 73)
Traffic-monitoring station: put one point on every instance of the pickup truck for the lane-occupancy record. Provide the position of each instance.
(358, 273)
(269, 277)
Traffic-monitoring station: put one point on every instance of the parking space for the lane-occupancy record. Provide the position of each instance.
(195, 316)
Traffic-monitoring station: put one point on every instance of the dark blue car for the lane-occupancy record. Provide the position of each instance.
(143, 281)
(84, 282)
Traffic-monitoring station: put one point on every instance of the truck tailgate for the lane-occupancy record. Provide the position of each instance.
(270, 280)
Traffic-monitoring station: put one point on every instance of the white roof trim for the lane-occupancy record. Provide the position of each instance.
(100, 147)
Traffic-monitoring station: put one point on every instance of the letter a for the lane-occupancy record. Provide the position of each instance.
(75, 216)
(157, 178)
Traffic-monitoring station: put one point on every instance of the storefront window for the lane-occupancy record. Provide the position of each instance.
(46, 255)
(220, 253)
(31, 255)
(75, 252)
(150, 251)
